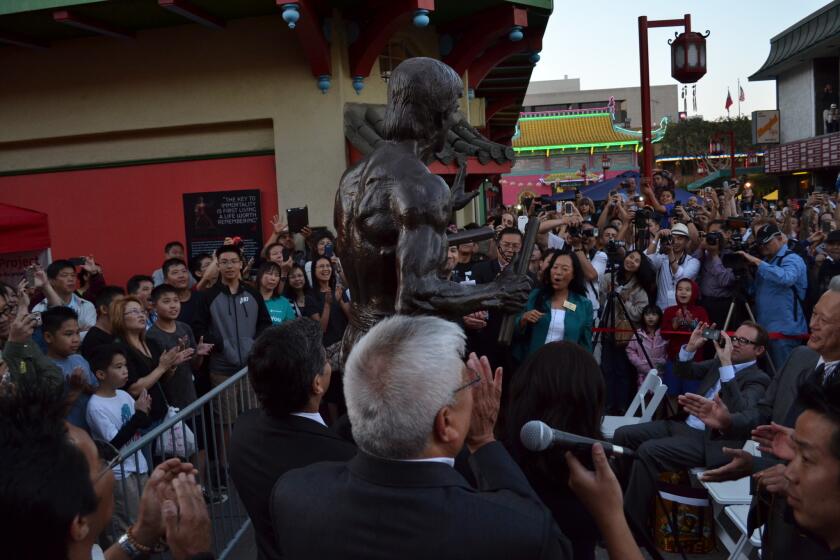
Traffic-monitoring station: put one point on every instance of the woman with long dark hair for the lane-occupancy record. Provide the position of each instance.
(560, 385)
(296, 289)
(635, 285)
(559, 309)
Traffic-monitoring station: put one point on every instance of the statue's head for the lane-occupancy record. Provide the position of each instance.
(423, 96)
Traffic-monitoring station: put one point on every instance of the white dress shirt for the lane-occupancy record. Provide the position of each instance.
(314, 416)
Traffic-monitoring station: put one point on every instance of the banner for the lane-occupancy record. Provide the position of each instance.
(210, 217)
(12, 265)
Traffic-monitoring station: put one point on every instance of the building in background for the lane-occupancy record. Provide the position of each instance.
(804, 61)
(560, 150)
(562, 95)
(112, 111)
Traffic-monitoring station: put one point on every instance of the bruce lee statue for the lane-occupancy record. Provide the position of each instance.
(391, 212)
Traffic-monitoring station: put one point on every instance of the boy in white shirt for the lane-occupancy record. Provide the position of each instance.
(115, 417)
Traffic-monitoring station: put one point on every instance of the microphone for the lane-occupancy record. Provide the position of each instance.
(538, 436)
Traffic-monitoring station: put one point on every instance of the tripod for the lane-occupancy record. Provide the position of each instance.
(739, 297)
(607, 320)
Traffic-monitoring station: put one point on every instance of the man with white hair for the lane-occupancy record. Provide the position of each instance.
(413, 404)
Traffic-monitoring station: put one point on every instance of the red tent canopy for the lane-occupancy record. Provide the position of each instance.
(22, 229)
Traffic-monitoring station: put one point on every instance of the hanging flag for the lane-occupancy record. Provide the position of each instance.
(741, 96)
(728, 100)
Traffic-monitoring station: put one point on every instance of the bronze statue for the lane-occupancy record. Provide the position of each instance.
(391, 212)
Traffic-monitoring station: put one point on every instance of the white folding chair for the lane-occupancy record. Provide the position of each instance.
(651, 385)
(725, 495)
(745, 544)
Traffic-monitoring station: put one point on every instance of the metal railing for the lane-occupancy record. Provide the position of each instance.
(209, 419)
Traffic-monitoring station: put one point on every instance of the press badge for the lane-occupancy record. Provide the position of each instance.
(569, 305)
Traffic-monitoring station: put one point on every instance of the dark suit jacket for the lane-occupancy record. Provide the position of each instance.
(780, 395)
(372, 508)
(263, 448)
(742, 393)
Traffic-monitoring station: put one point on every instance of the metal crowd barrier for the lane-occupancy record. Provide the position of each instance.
(210, 420)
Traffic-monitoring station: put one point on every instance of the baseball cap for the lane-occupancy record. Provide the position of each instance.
(766, 233)
(680, 229)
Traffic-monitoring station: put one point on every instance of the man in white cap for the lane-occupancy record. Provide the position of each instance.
(672, 262)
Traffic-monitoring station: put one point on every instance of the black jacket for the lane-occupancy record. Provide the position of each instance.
(372, 508)
(231, 322)
(263, 448)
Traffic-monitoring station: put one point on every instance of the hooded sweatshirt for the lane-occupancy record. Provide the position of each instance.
(231, 322)
(692, 312)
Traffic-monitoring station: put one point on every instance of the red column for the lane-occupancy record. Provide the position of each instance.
(646, 164)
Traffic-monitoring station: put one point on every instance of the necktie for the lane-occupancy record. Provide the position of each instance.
(818, 374)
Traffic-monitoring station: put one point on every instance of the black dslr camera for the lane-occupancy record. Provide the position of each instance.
(714, 238)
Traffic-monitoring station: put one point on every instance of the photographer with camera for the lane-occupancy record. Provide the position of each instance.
(672, 262)
(716, 280)
(666, 445)
(781, 283)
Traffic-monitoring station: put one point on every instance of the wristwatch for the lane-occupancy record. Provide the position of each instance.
(130, 550)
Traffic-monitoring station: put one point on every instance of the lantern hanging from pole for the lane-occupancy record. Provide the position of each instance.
(606, 162)
(688, 56)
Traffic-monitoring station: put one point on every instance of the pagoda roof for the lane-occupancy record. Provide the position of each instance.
(577, 129)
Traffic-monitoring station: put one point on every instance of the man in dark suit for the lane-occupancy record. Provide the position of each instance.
(816, 363)
(669, 444)
(413, 404)
(289, 373)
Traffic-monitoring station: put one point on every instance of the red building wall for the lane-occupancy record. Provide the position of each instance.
(123, 216)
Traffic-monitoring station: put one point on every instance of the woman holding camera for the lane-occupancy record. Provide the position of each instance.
(559, 310)
(634, 286)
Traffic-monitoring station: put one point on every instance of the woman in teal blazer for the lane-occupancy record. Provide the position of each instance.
(559, 310)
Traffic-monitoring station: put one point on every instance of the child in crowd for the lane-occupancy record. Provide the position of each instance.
(115, 417)
(652, 342)
(168, 332)
(678, 321)
(60, 326)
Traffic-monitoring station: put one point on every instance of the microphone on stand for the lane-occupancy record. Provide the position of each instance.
(538, 436)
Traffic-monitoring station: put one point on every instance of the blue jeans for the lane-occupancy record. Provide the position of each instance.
(779, 350)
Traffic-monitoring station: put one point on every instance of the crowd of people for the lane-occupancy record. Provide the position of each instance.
(733, 301)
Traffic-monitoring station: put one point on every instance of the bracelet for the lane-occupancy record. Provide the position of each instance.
(159, 546)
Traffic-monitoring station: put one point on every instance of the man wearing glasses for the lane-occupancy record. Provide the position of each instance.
(733, 378)
(414, 404)
(818, 363)
(230, 315)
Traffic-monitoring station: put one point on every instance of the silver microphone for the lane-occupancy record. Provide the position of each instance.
(538, 436)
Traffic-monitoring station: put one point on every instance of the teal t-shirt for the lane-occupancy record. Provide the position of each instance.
(280, 310)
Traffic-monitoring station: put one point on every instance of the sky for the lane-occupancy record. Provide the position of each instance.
(600, 45)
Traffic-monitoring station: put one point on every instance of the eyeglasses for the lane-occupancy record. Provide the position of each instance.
(108, 454)
(742, 340)
(474, 381)
(510, 246)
